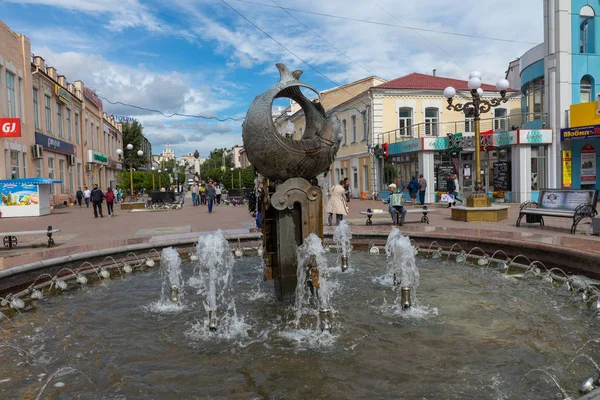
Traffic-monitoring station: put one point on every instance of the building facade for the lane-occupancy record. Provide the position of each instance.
(166, 155)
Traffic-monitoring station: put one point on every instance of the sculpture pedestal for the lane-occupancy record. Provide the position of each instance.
(295, 211)
(479, 214)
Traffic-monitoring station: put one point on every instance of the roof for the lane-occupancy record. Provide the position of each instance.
(30, 181)
(430, 82)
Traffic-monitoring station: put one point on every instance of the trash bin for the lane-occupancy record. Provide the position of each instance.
(532, 218)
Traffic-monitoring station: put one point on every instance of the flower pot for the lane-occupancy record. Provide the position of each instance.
(498, 200)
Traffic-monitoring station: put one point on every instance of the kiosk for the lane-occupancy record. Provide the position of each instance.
(27, 197)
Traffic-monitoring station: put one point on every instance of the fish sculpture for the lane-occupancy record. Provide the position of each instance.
(278, 157)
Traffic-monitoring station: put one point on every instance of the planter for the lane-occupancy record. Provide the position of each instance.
(496, 200)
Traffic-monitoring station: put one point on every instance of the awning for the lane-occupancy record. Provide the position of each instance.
(31, 181)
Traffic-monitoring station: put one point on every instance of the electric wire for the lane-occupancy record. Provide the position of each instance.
(390, 25)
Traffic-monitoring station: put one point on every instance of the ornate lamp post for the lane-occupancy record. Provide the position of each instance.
(476, 107)
(231, 177)
(129, 162)
(153, 187)
(159, 183)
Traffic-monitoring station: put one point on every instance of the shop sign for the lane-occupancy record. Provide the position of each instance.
(534, 136)
(55, 145)
(588, 165)
(62, 94)
(407, 146)
(581, 132)
(121, 118)
(505, 138)
(97, 158)
(114, 164)
(567, 168)
(93, 97)
(435, 143)
(109, 130)
(10, 127)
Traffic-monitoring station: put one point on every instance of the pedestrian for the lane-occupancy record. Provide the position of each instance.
(97, 195)
(450, 188)
(218, 193)
(79, 196)
(210, 196)
(203, 194)
(347, 189)
(86, 196)
(110, 198)
(339, 207)
(396, 204)
(119, 194)
(194, 190)
(457, 190)
(422, 189)
(413, 190)
(255, 202)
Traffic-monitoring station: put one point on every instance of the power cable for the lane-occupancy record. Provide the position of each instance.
(391, 25)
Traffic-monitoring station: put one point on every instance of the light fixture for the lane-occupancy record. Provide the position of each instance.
(140, 153)
(159, 171)
(119, 151)
(152, 168)
(502, 85)
(475, 74)
(449, 92)
(129, 146)
(480, 92)
(474, 83)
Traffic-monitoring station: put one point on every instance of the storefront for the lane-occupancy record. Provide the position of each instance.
(581, 158)
(58, 159)
(97, 165)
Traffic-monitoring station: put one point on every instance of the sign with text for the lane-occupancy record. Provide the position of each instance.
(121, 118)
(581, 132)
(55, 145)
(588, 165)
(10, 127)
(566, 199)
(93, 97)
(435, 143)
(501, 175)
(97, 158)
(62, 94)
(407, 146)
(567, 161)
(535, 136)
(505, 138)
(443, 170)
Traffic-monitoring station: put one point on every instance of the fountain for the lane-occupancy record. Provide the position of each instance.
(402, 267)
(342, 236)
(172, 282)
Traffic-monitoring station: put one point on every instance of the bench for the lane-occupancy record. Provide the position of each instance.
(561, 203)
(424, 210)
(10, 238)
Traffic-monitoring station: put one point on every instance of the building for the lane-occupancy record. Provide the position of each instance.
(166, 155)
(146, 147)
(113, 140)
(57, 152)
(16, 104)
(240, 158)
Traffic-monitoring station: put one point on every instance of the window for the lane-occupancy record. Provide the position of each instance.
(469, 120)
(500, 119)
(36, 109)
(79, 181)
(534, 94)
(59, 122)
(345, 132)
(68, 122)
(48, 109)
(86, 132)
(15, 167)
(538, 167)
(364, 126)
(431, 121)
(21, 101)
(61, 164)
(38, 168)
(586, 30)
(10, 92)
(585, 90)
(51, 173)
(76, 128)
(353, 121)
(405, 121)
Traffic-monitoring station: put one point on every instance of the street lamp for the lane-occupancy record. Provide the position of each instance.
(159, 184)
(128, 161)
(231, 169)
(153, 188)
(476, 107)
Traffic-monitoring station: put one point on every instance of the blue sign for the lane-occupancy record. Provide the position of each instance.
(407, 146)
(55, 145)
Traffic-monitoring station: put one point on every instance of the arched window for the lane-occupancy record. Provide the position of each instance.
(585, 90)
(586, 30)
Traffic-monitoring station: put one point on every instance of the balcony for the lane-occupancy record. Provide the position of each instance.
(499, 124)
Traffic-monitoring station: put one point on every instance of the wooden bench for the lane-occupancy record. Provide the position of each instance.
(10, 238)
(561, 203)
(424, 218)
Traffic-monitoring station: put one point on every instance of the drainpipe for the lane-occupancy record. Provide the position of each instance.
(370, 143)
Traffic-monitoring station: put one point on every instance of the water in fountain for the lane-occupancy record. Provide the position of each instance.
(212, 277)
(342, 236)
(172, 293)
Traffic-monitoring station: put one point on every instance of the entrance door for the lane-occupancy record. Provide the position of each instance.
(467, 173)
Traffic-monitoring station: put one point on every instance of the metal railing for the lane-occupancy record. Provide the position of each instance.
(499, 124)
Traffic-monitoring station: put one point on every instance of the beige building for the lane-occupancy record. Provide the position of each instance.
(16, 102)
(240, 158)
(166, 155)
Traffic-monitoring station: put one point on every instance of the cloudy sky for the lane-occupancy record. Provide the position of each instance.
(205, 57)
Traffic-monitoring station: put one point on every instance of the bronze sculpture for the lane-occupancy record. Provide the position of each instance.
(280, 158)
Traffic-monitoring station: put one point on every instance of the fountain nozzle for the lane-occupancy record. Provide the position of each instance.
(405, 299)
(587, 386)
(344, 263)
(324, 316)
(174, 294)
(212, 320)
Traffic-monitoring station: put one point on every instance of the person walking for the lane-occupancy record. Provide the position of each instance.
(450, 188)
(194, 190)
(457, 190)
(203, 194)
(413, 189)
(96, 195)
(338, 202)
(422, 188)
(79, 196)
(86, 196)
(347, 189)
(110, 198)
(210, 196)
(218, 193)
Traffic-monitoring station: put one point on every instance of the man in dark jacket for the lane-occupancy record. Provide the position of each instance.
(210, 195)
(97, 195)
(450, 188)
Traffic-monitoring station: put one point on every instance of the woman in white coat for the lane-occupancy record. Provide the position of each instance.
(456, 190)
(337, 202)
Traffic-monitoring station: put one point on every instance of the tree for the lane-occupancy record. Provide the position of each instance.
(389, 173)
(133, 134)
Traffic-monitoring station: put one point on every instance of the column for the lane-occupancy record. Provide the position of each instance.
(426, 167)
(521, 173)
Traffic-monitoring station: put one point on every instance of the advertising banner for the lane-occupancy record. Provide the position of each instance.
(19, 199)
(581, 132)
(10, 127)
(566, 199)
(588, 165)
(567, 161)
(535, 136)
(55, 145)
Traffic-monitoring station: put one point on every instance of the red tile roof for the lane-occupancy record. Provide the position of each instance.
(430, 82)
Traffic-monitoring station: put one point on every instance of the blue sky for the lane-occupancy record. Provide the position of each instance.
(200, 57)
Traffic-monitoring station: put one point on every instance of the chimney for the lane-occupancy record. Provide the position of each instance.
(51, 71)
(71, 88)
(434, 72)
(62, 80)
(39, 62)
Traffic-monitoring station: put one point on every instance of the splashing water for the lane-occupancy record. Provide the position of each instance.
(400, 262)
(170, 272)
(342, 236)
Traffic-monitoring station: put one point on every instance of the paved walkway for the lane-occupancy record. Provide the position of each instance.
(80, 231)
